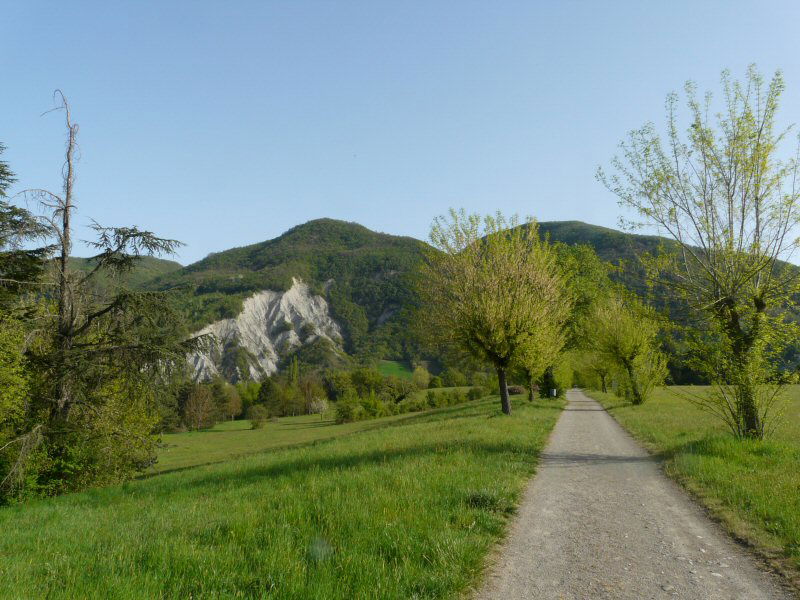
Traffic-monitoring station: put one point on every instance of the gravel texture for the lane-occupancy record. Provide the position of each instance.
(600, 520)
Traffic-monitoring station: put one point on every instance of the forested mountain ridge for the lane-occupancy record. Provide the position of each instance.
(145, 269)
(366, 279)
(363, 275)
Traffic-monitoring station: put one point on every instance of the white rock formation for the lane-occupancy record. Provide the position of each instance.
(270, 326)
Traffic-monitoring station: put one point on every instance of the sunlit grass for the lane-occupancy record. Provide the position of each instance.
(393, 367)
(387, 513)
(753, 486)
(233, 439)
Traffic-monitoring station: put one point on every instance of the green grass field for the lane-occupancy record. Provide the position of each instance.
(393, 367)
(233, 439)
(753, 487)
(409, 510)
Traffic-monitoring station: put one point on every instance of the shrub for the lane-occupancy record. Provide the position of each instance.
(515, 390)
(431, 399)
(435, 382)
(421, 378)
(348, 411)
(476, 393)
(258, 415)
(453, 377)
(417, 404)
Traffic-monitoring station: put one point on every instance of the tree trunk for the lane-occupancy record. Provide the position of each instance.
(636, 394)
(603, 386)
(531, 386)
(505, 403)
(66, 308)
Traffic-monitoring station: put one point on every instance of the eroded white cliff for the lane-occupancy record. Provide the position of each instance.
(270, 326)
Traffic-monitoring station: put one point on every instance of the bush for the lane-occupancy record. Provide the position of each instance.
(435, 382)
(258, 415)
(453, 377)
(348, 411)
(421, 378)
(415, 405)
(515, 390)
(431, 399)
(475, 393)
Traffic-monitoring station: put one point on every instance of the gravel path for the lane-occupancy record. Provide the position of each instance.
(600, 520)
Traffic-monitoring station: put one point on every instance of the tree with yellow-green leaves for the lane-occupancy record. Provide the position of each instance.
(493, 289)
(726, 190)
(625, 336)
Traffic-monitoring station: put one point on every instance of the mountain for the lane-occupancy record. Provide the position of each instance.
(361, 276)
(271, 326)
(147, 268)
(328, 290)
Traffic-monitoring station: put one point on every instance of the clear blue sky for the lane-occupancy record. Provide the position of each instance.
(225, 123)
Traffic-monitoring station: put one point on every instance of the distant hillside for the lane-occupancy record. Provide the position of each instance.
(147, 268)
(363, 275)
(363, 280)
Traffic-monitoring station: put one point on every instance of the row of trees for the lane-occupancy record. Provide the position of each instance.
(727, 194)
(498, 291)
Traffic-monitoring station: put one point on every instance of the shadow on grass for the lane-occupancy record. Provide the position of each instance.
(206, 482)
(469, 410)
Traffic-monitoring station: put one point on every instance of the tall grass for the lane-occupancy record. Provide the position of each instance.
(406, 511)
(753, 486)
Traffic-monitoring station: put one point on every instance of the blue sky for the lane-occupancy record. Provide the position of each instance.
(225, 123)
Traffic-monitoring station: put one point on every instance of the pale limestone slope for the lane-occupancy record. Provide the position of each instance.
(271, 325)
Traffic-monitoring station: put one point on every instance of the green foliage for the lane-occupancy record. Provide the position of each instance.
(626, 336)
(248, 392)
(421, 378)
(364, 275)
(452, 377)
(730, 202)
(146, 268)
(493, 290)
(257, 415)
(436, 382)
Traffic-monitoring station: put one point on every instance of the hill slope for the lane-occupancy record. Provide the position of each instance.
(362, 275)
(361, 278)
(147, 268)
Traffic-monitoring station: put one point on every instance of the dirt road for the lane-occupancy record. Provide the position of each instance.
(600, 520)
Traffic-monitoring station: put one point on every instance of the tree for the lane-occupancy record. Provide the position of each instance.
(198, 412)
(625, 336)
(598, 366)
(489, 289)
(233, 406)
(98, 355)
(20, 266)
(421, 378)
(587, 278)
(729, 200)
(257, 415)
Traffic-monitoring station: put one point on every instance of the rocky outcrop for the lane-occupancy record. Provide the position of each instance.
(271, 326)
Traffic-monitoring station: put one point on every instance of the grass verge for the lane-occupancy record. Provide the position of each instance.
(752, 487)
(406, 511)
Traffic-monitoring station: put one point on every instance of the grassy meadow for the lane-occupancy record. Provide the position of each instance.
(752, 486)
(408, 510)
(393, 367)
(233, 439)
